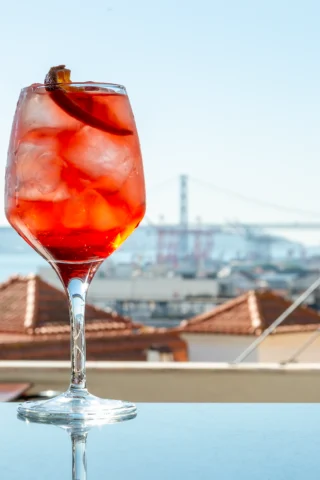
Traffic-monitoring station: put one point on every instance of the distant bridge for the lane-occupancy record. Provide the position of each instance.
(187, 227)
(244, 226)
(273, 226)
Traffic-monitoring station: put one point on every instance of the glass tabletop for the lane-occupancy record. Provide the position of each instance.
(172, 441)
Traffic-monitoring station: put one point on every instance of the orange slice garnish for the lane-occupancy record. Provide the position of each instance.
(57, 84)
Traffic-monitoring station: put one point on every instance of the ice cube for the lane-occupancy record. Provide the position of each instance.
(75, 212)
(104, 215)
(90, 210)
(38, 170)
(36, 218)
(133, 189)
(39, 110)
(101, 156)
(30, 192)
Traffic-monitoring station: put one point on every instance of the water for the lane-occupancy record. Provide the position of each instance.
(16, 257)
(23, 264)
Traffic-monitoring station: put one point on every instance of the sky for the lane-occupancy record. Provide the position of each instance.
(226, 92)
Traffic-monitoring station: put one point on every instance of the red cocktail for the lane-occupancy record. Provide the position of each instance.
(74, 191)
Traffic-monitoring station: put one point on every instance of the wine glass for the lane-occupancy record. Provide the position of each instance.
(75, 191)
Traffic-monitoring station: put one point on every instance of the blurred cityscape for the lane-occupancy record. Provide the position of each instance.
(164, 273)
(168, 283)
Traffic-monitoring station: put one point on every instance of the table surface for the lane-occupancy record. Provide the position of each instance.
(173, 441)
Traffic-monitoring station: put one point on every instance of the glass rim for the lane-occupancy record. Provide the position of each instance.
(116, 87)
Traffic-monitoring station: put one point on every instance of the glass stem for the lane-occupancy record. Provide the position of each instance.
(77, 290)
(79, 462)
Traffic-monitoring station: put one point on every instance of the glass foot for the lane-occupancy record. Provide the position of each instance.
(75, 405)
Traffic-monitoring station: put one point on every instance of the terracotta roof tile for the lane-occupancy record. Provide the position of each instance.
(34, 324)
(250, 314)
(30, 305)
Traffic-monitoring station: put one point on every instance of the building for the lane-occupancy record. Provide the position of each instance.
(277, 282)
(34, 325)
(233, 282)
(141, 288)
(148, 298)
(302, 282)
(224, 332)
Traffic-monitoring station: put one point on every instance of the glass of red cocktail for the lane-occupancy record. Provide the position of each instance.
(74, 191)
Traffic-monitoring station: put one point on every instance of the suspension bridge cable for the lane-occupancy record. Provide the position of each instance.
(251, 200)
(159, 185)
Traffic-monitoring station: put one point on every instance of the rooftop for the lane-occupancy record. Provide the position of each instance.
(29, 305)
(250, 314)
(34, 324)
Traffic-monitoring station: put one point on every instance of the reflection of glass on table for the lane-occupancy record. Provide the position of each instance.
(78, 431)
